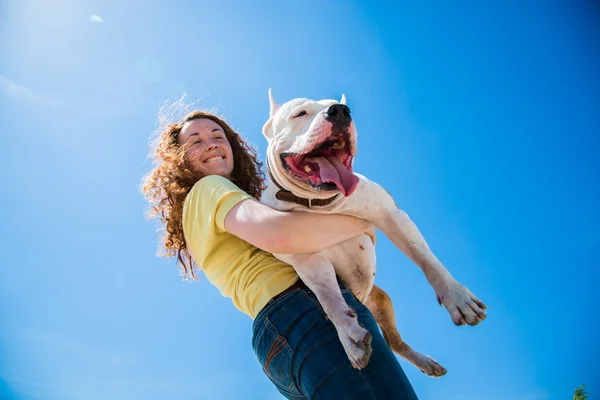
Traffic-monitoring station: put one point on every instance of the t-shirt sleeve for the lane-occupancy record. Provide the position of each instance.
(208, 203)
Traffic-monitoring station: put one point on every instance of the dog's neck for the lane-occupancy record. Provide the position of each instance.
(286, 195)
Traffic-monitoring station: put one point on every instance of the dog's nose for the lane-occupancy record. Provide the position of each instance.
(338, 113)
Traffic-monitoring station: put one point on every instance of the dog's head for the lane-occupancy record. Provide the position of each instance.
(312, 145)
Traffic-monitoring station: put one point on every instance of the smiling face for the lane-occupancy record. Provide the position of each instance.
(207, 148)
(312, 145)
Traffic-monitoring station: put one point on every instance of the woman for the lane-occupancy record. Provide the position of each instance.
(204, 187)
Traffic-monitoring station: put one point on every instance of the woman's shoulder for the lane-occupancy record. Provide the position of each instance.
(212, 195)
(212, 189)
(214, 182)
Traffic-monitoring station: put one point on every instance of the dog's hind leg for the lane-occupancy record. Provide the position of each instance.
(380, 304)
(317, 272)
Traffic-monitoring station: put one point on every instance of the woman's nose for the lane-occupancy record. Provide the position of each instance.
(211, 147)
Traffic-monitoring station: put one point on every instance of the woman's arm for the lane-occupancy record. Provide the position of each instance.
(290, 232)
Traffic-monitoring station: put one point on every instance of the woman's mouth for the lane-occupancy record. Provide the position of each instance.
(213, 159)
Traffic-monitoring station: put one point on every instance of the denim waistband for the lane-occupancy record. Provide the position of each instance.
(277, 300)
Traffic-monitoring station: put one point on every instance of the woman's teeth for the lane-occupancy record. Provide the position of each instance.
(212, 159)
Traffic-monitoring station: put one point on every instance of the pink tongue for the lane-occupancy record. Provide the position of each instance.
(333, 170)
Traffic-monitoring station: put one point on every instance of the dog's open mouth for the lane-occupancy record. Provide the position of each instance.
(328, 167)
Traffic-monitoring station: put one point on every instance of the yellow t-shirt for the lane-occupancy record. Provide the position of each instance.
(241, 271)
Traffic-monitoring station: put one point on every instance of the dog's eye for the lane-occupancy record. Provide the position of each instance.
(300, 114)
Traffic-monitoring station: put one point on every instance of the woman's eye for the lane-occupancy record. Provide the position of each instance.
(300, 114)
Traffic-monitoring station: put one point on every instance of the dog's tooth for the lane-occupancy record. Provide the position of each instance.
(339, 145)
(307, 169)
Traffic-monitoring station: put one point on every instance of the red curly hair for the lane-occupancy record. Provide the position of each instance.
(166, 186)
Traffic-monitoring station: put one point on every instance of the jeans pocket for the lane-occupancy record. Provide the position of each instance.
(275, 355)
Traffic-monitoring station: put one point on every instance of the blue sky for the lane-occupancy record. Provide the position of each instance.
(481, 119)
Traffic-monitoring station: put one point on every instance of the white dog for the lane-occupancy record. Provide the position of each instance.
(311, 149)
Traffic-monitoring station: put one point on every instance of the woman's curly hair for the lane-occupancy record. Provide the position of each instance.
(166, 186)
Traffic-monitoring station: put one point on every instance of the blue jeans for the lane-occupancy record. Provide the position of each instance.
(299, 350)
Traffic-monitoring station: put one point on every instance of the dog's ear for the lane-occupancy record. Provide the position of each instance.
(273, 105)
(267, 129)
(343, 100)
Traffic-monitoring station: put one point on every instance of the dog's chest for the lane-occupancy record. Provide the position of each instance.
(354, 261)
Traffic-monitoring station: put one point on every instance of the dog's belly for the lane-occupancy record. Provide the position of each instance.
(354, 261)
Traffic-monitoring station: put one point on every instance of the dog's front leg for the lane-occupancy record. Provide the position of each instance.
(462, 305)
(375, 204)
(317, 272)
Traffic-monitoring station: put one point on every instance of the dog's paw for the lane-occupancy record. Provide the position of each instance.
(355, 339)
(426, 364)
(358, 352)
(430, 367)
(464, 307)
